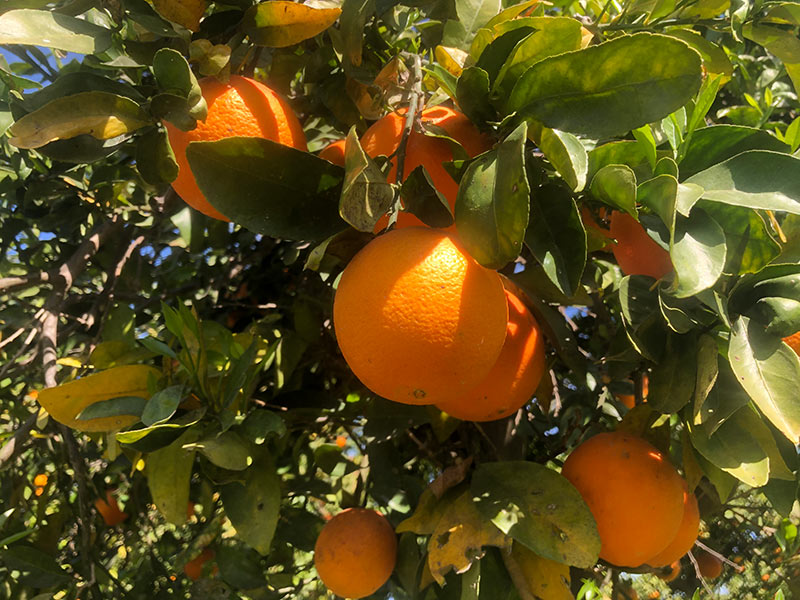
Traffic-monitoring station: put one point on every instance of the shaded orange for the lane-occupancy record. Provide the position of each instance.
(109, 509)
(383, 138)
(515, 375)
(334, 152)
(38, 491)
(341, 441)
(40, 480)
(635, 251)
(675, 570)
(709, 565)
(794, 342)
(634, 493)
(417, 319)
(194, 568)
(355, 552)
(590, 223)
(242, 107)
(764, 577)
(687, 533)
(629, 400)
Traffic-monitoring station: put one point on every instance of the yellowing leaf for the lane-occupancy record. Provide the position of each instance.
(451, 59)
(182, 12)
(100, 114)
(278, 23)
(66, 401)
(535, 577)
(459, 537)
(426, 516)
(169, 471)
(69, 361)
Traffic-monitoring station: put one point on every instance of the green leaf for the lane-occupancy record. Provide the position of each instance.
(567, 155)
(756, 179)
(260, 424)
(169, 471)
(492, 206)
(269, 188)
(640, 314)
(611, 88)
(162, 405)
(227, 451)
(496, 54)
(53, 30)
(351, 26)
(672, 382)
(240, 566)
(472, 15)
(155, 159)
(155, 437)
(624, 152)
(366, 195)
(253, 504)
(724, 399)
(714, 58)
(705, 98)
(782, 43)
(472, 92)
(769, 371)
(40, 567)
(538, 508)
(733, 448)
(99, 114)
(792, 135)
(123, 405)
(423, 200)
(698, 253)
(615, 185)
(278, 23)
(556, 237)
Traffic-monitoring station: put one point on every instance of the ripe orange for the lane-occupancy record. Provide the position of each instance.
(241, 107)
(513, 378)
(709, 565)
(334, 152)
(40, 480)
(675, 570)
(341, 441)
(109, 509)
(687, 533)
(794, 342)
(765, 577)
(654, 595)
(417, 319)
(635, 251)
(629, 400)
(355, 553)
(384, 136)
(593, 227)
(194, 568)
(634, 493)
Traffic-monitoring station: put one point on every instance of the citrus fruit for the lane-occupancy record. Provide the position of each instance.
(635, 251)
(794, 342)
(686, 536)
(384, 136)
(194, 568)
(598, 237)
(355, 553)
(709, 565)
(514, 376)
(242, 107)
(674, 571)
(109, 509)
(40, 480)
(629, 400)
(634, 493)
(334, 152)
(417, 319)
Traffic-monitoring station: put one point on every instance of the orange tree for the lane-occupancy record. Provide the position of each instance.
(177, 417)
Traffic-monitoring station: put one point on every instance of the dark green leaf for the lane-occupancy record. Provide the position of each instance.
(227, 451)
(269, 188)
(615, 185)
(672, 383)
(162, 405)
(40, 565)
(472, 92)
(698, 253)
(155, 160)
(567, 155)
(124, 405)
(424, 201)
(611, 88)
(150, 439)
(640, 314)
(169, 471)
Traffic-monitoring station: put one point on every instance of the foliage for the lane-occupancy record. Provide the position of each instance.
(246, 430)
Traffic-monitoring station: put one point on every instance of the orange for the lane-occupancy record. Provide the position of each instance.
(341, 441)
(334, 152)
(513, 378)
(242, 107)
(634, 493)
(194, 568)
(594, 228)
(355, 553)
(764, 577)
(383, 138)
(686, 536)
(709, 565)
(109, 509)
(417, 319)
(40, 480)
(675, 570)
(635, 251)
(629, 400)
(794, 342)
(654, 595)
(38, 491)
